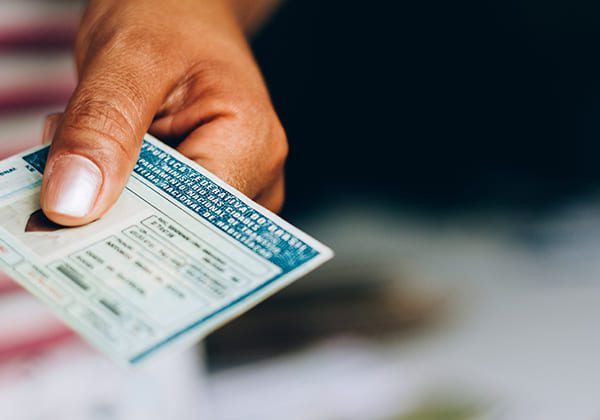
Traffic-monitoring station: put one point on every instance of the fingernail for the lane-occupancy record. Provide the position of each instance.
(73, 186)
(50, 125)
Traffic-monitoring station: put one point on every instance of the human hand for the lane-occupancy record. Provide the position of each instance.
(180, 69)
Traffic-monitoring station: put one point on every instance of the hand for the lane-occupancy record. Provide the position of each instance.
(180, 69)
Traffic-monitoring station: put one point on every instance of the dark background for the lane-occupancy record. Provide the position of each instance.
(437, 105)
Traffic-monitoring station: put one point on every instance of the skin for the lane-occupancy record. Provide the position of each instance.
(182, 70)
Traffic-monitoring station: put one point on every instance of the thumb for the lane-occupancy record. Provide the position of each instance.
(98, 138)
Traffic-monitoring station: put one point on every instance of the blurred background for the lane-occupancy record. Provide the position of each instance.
(445, 150)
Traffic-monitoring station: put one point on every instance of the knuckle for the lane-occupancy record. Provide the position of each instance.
(275, 198)
(280, 148)
(100, 115)
(280, 200)
(284, 147)
(104, 120)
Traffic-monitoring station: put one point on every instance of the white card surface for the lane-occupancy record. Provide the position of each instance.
(180, 254)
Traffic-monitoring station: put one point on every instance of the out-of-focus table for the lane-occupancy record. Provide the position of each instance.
(517, 339)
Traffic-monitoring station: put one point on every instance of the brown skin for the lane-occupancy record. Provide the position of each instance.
(182, 70)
